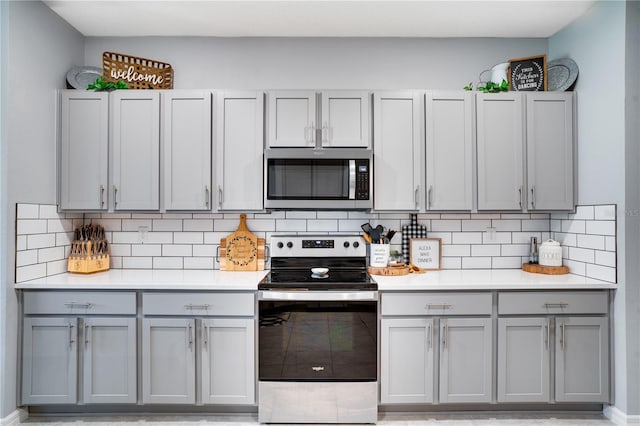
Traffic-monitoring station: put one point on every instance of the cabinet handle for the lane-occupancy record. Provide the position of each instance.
(562, 341)
(115, 196)
(192, 306)
(416, 197)
(428, 336)
(101, 195)
(206, 196)
(312, 139)
(219, 196)
(445, 336)
(87, 335)
(189, 330)
(438, 305)
(520, 196)
(85, 305)
(556, 305)
(205, 335)
(70, 330)
(429, 202)
(533, 197)
(325, 133)
(547, 333)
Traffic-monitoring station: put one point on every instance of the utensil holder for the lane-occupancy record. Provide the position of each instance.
(379, 256)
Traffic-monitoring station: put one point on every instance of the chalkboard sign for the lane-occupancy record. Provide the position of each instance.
(528, 74)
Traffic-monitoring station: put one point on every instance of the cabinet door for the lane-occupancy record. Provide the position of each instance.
(500, 137)
(109, 371)
(240, 147)
(406, 369)
(550, 151)
(466, 371)
(228, 373)
(449, 135)
(84, 142)
(398, 152)
(292, 116)
(345, 119)
(582, 359)
(187, 150)
(135, 135)
(523, 359)
(168, 361)
(49, 360)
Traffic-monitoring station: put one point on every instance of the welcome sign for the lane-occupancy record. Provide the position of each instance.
(138, 73)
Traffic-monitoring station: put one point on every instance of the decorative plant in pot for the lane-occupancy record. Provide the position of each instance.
(106, 86)
(490, 87)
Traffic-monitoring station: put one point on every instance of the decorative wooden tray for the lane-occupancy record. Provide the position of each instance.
(549, 270)
(395, 270)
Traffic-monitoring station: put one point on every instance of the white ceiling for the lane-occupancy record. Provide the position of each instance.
(321, 18)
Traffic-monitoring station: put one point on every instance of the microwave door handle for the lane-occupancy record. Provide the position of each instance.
(352, 179)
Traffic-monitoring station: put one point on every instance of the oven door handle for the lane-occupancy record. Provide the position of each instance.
(318, 295)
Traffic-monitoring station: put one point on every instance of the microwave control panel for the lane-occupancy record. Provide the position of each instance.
(362, 179)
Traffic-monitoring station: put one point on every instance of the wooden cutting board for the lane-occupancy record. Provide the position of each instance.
(242, 250)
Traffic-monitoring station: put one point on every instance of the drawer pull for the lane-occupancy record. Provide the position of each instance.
(556, 305)
(85, 305)
(192, 306)
(438, 306)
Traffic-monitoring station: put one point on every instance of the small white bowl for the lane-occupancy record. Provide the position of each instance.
(319, 271)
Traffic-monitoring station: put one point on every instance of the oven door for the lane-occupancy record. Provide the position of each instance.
(318, 336)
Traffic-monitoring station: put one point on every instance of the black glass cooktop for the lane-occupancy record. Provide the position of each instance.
(304, 279)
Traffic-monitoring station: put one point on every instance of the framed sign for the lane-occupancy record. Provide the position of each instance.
(425, 253)
(528, 74)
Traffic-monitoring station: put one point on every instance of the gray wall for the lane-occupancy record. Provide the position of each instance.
(597, 43)
(41, 49)
(632, 217)
(3, 194)
(318, 63)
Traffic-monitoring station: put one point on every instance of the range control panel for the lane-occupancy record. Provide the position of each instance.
(349, 245)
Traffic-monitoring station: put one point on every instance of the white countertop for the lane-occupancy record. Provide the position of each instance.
(468, 279)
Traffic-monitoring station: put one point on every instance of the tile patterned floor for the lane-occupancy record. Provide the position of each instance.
(384, 419)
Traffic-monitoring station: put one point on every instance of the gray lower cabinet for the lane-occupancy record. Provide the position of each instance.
(435, 349)
(564, 347)
(198, 348)
(69, 339)
(466, 348)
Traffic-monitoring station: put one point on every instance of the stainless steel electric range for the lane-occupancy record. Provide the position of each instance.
(318, 332)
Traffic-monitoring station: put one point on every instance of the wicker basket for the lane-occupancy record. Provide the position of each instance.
(138, 73)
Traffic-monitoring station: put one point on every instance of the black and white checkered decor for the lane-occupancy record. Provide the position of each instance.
(413, 230)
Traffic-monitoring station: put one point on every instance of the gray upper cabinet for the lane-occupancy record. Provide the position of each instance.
(582, 359)
(345, 119)
(524, 359)
(187, 150)
(292, 118)
(168, 361)
(239, 150)
(49, 360)
(550, 159)
(407, 360)
(466, 348)
(449, 150)
(84, 135)
(135, 139)
(500, 144)
(398, 151)
(109, 370)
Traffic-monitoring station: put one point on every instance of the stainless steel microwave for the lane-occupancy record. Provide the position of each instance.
(312, 178)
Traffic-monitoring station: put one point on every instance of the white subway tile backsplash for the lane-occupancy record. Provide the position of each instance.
(555, 225)
(466, 238)
(41, 241)
(535, 225)
(525, 237)
(175, 250)
(322, 225)
(21, 242)
(63, 238)
(300, 214)
(214, 237)
(183, 238)
(298, 225)
(451, 225)
(57, 267)
(261, 225)
(121, 250)
(475, 225)
(31, 226)
(203, 225)
(26, 257)
(128, 237)
(444, 236)
(583, 213)
(112, 225)
(607, 212)
(31, 272)
(506, 262)
(510, 250)
(59, 225)
(581, 255)
(116, 262)
(322, 214)
(451, 263)
(520, 216)
(485, 250)
(199, 263)
(145, 250)
(167, 225)
(476, 263)
(137, 262)
(167, 263)
(496, 237)
(177, 215)
(575, 267)
(573, 226)
(145, 216)
(507, 225)
(427, 216)
(610, 243)
(226, 225)
(453, 250)
(204, 250)
(134, 225)
(601, 227)
(605, 258)
(28, 211)
(50, 254)
(446, 216)
(590, 241)
(569, 240)
(603, 273)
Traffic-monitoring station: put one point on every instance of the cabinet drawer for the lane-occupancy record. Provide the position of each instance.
(436, 304)
(79, 302)
(199, 304)
(553, 302)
